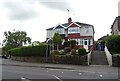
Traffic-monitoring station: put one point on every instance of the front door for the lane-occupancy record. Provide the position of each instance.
(86, 44)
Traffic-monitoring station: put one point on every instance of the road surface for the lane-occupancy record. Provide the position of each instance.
(54, 74)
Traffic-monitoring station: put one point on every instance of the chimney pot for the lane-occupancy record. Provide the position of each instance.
(69, 20)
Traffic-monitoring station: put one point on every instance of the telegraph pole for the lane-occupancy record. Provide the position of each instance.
(68, 12)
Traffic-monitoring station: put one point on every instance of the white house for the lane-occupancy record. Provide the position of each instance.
(81, 32)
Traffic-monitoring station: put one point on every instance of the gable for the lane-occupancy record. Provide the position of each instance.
(59, 27)
(74, 25)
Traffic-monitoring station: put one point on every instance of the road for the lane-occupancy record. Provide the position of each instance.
(54, 74)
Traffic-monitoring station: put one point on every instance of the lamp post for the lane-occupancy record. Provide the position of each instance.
(49, 41)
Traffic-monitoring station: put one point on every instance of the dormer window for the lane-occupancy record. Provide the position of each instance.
(73, 30)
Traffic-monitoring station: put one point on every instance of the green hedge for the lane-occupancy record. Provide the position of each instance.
(55, 52)
(82, 51)
(113, 43)
(31, 51)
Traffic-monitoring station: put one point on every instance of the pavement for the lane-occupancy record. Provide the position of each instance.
(90, 68)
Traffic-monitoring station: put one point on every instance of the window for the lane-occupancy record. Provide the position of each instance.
(81, 42)
(90, 41)
(73, 30)
(60, 31)
(85, 43)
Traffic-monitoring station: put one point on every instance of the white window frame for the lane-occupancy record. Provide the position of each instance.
(77, 30)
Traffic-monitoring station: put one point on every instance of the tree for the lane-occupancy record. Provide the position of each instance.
(57, 39)
(35, 43)
(66, 44)
(15, 39)
(113, 43)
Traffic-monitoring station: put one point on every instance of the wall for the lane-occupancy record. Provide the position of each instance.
(49, 33)
(0, 50)
(115, 27)
(68, 59)
(109, 56)
(89, 58)
(86, 31)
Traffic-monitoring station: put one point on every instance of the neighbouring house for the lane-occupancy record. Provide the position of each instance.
(0, 51)
(100, 44)
(115, 28)
(81, 32)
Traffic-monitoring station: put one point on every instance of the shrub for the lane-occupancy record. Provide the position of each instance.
(82, 51)
(55, 52)
(113, 43)
(73, 52)
(62, 53)
(67, 49)
(66, 44)
(31, 51)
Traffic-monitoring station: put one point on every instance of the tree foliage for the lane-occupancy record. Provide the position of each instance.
(113, 43)
(57, 39)
(35, 43)
(15, 39)
(66, 44)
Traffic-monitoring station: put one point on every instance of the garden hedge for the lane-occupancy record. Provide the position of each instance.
(40, 50)
(82, 51)
(113, 44)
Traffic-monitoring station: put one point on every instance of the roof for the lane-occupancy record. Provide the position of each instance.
(58, 26)
(83, 24)
(66, 25)
(117, 19)
(119, 23)
(103, 38)
(50, 28)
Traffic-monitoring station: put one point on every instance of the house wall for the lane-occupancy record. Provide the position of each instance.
(115, 30)
(86, 31)
(49, 33)
(0, 51)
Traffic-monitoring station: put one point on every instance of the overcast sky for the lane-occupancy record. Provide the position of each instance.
(35, 16)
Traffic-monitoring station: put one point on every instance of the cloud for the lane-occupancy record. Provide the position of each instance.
(19, 9)
(119, 8)
(62, 5)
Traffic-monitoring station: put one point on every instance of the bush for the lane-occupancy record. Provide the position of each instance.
(55, 52)
(82, 51)
(62, 53)
(67, 49)
(113, 43)
(73, 52)
(66, 44)
(31, 51)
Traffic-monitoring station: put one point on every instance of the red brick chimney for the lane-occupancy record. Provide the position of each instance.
(69, 20)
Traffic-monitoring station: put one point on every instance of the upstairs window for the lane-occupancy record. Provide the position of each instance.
(60, 30)
(73, 30)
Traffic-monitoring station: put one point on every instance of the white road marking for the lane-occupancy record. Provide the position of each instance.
(80, 73)
(24, 79)
(101, 75)
(57, 77)
(61, 72)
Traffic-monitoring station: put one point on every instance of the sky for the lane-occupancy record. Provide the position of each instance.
(35, 16)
